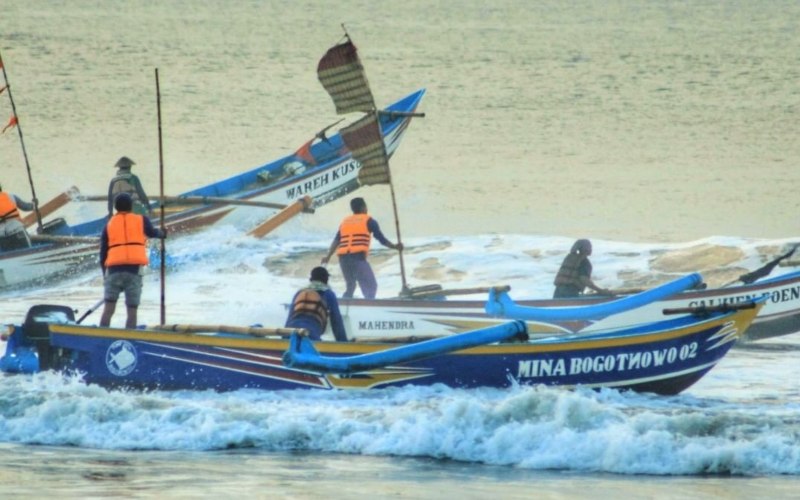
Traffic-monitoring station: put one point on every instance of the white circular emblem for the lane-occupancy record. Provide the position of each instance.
(121, 358)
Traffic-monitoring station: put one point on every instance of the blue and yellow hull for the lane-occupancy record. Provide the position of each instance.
(664, 357)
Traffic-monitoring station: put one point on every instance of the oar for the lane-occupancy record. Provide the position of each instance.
(301, 205)
(22, 143)
(51, 206)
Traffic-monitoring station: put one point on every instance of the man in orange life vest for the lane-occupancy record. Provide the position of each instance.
(351, 244)
(12, 232)
(123, 251)
(314, 305)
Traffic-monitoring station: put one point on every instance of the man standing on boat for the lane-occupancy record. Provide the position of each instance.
(316, 304)
(351, 244)
(123, 252)
(127, 182)
(575, 274)
(12, 231)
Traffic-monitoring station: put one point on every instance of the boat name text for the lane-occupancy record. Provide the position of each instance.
(774, 296)
(626, 361)
(317, 182)
(385, 325)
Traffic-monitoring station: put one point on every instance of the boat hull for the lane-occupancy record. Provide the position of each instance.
(665, 358)
(386, 318)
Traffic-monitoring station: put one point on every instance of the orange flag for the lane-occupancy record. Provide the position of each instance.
(11, 123)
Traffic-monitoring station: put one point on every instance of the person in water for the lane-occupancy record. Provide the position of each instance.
(351, 244)
(314, 306)
(575, 274)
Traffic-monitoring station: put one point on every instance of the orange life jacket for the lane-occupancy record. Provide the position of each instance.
(8, 207)
(354, 236)
(126, 240)
(309, 301)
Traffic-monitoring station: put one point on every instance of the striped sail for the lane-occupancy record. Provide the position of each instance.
(340, 72)
(363, 139)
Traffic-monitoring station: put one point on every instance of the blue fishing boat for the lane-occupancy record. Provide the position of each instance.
(320, 171)
(664, 356)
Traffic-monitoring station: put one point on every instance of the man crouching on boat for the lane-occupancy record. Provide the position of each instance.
(123, 252)
(314, 305)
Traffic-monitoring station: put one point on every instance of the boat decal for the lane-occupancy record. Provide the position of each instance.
(121, 358)
(268, 367)
(376, 378)
(729, 332)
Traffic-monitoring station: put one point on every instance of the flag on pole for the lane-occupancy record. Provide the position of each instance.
(364, 140)
(341, 74)
(11, 123)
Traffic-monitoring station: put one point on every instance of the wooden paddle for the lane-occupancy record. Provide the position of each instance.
(301, 205)
(51, 206)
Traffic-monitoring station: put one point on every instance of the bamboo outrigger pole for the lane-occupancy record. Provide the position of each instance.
(15, 118)
(161, 196)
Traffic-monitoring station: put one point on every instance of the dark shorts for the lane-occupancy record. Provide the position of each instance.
(123, 282)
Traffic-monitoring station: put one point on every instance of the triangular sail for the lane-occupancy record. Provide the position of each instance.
(364, 140)
(341, 74)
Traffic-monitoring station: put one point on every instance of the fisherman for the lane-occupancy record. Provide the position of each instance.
(575, 274)
(127, 182)
(12, 231)
(351, 244)
(123, 252)
(313, 306)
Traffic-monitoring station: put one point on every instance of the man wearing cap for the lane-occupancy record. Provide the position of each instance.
(313, 306)
(351, 244)
(123, 252)
(127, 182)
(12, 231)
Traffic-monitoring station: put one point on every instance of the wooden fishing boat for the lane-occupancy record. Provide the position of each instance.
(664, 356)
(319, 172)
(425, 315)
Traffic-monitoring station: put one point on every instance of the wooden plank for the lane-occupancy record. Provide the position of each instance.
(197, 200)
(284, 215)
(51, 206)
(244, 330)
(55, 238)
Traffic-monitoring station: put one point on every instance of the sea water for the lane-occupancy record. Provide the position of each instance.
(666, 132)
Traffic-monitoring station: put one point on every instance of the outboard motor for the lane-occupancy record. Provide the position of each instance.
(28, 349)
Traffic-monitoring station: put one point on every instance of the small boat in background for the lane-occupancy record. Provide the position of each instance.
(432, 313)
(321, 171)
